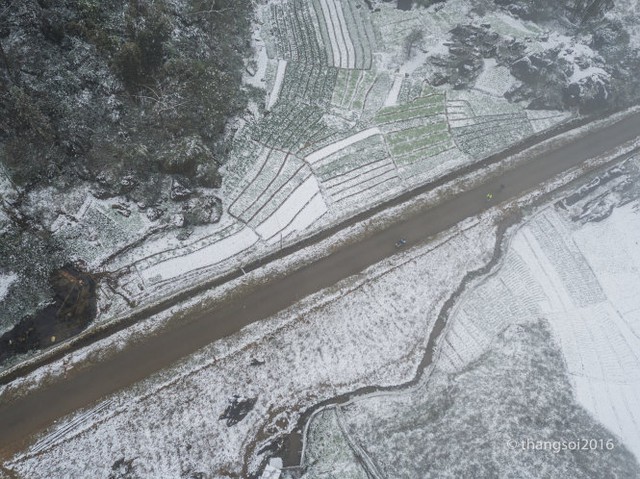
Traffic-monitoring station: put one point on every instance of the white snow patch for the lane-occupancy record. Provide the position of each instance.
(277, 86)
(299, 210)
(258, 79)
(392, 97)
(600, 339)
(6, 280)
(273, 470)
(495, 79)
(202, 258)
(580, 74)
(322, 153)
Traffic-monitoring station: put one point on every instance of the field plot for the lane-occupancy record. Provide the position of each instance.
(231, 240)
(293, 31)
(462, 424)
(308, 83)
(100, 228)
(277, 196)
(541, 120)
(290, 127)
(413, 144)
(346, 32)
(395, 117)
(328, 445)
(259, 191)
(418, 137)
(276, 85)
(326, 32)
(358, 171)
(486, 310)
(352, 89)
(481, 126)
(495, 79)
(411, 89)
(294, 209)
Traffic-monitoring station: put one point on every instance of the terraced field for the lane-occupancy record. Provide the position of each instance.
(350, 119)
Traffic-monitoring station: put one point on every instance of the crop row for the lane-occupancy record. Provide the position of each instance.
(308, 83)
(346, 32)
(352, 88)
(573, 269)
(289, 127)
(265, 191)
(422, 107)
(488, 134)
(293, 28)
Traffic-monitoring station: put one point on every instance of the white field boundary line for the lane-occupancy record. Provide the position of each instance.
(287, 211)
(338, 52)
(355, 175)
(354, 170)
(251, 198)
(370, 182)
(313, 210)
(346, 35)
(322, 153)
(277, 86)
(314, 252)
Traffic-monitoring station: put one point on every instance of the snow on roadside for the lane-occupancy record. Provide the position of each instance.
(326, 345)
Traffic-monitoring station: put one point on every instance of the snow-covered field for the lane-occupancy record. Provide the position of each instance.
(351, 122)
(169, 425)
(590, 279)
(577, 278)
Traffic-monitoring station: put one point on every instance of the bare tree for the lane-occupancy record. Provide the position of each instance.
(413, 40)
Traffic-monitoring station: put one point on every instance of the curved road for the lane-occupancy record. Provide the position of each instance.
(19, 420)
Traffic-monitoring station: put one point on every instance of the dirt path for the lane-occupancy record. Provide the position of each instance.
(19, 420)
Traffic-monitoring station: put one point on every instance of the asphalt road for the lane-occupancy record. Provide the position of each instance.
(19, 420)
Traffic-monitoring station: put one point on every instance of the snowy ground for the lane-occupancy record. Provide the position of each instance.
(571, 274)
(310, 353)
